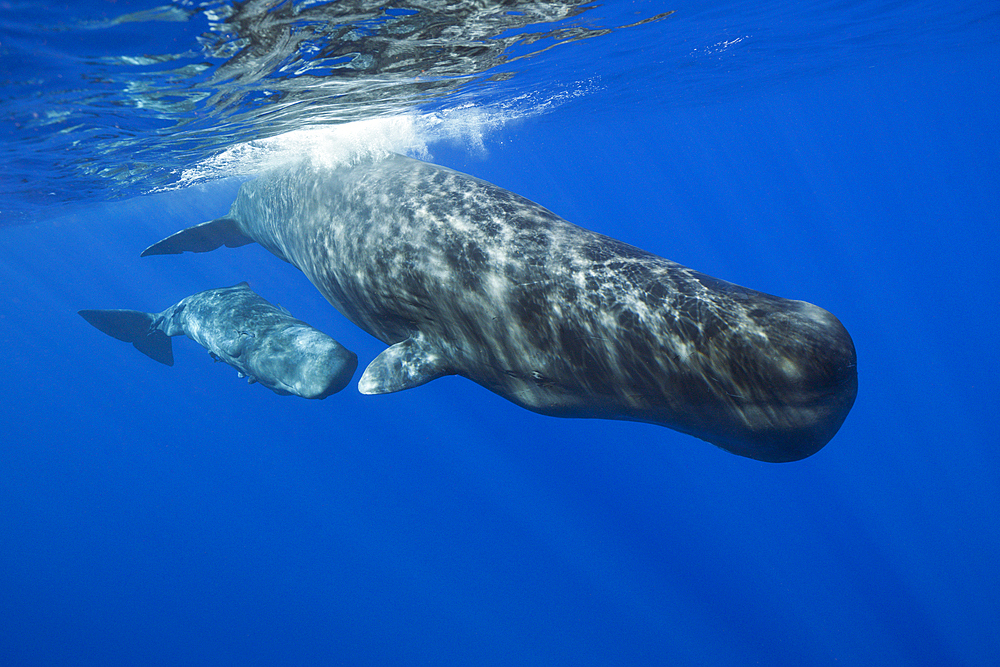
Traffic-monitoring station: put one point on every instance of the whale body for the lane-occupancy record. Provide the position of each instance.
(459, 276)
(263, 342)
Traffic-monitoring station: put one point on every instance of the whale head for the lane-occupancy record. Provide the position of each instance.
(302, 361)
(785, 385)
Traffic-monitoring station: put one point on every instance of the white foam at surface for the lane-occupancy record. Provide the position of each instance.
(330, 146)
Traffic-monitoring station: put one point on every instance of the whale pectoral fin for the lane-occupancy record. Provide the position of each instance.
(201, 238)
(404, 365)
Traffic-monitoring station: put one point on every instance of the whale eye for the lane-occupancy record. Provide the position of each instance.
(541, 380)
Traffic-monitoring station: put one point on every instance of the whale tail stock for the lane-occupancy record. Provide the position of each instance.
(201, 238)
(136, 327)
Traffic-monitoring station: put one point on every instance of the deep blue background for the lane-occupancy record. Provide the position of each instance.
(162, 516)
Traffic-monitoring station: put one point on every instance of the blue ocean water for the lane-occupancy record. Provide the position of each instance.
(846, 153)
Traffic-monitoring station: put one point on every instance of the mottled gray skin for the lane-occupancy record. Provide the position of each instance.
(462, 277)
(264, 343)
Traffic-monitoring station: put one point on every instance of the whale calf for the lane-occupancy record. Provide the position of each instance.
(264, 343)
(459, 276)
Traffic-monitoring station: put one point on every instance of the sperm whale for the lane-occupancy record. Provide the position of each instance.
(263, 342)
(459, 276)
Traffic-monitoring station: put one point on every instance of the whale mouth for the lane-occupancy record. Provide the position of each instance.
(800, 423)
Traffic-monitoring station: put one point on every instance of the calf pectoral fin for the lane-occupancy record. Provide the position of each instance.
(201, 238)
(404, 365)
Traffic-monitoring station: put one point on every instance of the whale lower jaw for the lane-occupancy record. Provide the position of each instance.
(779, 433)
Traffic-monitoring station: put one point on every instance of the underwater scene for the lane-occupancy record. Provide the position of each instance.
(490, 333)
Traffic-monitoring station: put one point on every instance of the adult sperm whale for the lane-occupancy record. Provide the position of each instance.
(264, 343)
(459, 276)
